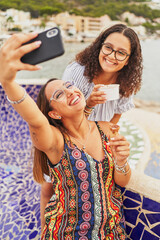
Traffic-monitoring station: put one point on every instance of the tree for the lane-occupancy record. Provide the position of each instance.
(9, 22)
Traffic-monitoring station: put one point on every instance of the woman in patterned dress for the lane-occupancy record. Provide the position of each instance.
(114, 57)
(86, 165)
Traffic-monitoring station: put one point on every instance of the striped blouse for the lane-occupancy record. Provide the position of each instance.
(102, 112)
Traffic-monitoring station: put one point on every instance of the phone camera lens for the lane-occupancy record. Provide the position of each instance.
(52, 33)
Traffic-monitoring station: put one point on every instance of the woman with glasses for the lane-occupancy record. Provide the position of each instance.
(113, 58)
(86, 165)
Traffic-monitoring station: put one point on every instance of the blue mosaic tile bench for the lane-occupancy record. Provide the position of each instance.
(142, 216)
(20, 195)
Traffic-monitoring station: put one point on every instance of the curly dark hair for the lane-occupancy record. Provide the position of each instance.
(130, 76)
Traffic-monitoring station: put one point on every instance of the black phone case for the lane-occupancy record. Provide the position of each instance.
(51, 47)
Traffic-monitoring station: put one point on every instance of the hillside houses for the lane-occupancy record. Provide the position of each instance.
(73, 28)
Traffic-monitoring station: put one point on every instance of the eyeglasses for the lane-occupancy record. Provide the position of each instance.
(118, 54)
(60, 94)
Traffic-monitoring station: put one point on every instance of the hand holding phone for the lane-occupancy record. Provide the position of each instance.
(51, 47)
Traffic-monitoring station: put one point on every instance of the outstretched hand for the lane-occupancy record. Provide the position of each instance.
(96, 97)
(11, 53)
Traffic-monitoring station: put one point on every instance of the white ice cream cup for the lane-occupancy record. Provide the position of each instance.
(111, 90)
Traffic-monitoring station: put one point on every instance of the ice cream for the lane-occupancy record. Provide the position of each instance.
(114, 128)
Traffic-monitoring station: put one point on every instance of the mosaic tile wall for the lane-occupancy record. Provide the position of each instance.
(135, 138)
(19, 198)
(20, 195)
(142, 217)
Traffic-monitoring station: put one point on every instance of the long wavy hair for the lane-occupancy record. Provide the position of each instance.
(130, 76)
(40, 166)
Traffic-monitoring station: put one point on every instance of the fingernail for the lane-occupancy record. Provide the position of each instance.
(112, 138)
(34, 33)
(39, 67)
(38, 43)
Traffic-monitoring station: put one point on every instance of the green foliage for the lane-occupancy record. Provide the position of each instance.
(15, 29)
(49, 10)
(151, 28)
(114, 10)
(93, 8)
(144, 11)
(76, 11)
(10, 19)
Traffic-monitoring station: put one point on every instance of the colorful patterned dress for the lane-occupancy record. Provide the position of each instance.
(86, 204)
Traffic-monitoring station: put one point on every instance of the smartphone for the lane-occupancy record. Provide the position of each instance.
(51, 47)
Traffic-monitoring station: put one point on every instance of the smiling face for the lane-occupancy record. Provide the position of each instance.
(118, 42)
(64, 98)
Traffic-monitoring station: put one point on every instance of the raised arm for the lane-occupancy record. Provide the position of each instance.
(10, 62)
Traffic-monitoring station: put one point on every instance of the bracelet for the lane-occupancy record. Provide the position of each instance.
(20, 100)
(88, 112)
(124, 172)
(89, 107)
(122, 169)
